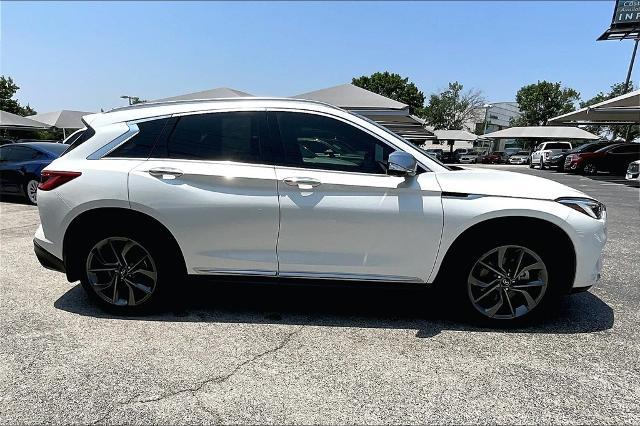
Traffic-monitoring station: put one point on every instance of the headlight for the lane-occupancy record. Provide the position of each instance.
(592, 208)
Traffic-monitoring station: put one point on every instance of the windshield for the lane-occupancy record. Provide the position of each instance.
(431, 156)
(523, 153)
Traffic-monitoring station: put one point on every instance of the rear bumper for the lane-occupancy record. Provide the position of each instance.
(48, 260)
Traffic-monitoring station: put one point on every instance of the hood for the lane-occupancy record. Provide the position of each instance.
(503, 184)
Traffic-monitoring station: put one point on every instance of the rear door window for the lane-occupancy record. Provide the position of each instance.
(223, 136)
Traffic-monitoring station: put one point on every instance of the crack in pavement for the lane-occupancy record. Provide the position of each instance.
(200, 385)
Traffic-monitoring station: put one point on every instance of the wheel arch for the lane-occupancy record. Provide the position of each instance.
(77, 229)
(532, 225)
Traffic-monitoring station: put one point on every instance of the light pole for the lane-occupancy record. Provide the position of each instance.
(130, 98)
(487, 107)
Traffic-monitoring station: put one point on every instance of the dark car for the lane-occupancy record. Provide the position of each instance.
(557, 161)
(435, 152)
(21, 163)
(613, 159)
(448, 157)
(497, 157)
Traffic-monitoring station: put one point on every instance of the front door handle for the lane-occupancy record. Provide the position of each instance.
(165, 172)
(302, 182)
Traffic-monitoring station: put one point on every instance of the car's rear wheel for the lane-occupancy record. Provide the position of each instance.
(31, 191)
(125, 271)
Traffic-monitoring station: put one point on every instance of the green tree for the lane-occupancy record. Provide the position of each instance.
(612, 131)
(393, 86)
(452, 108)
(542, 101)
(7, 90)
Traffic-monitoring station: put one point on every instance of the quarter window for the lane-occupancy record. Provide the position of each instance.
(319, 142)
(224, 136)
(140, 145)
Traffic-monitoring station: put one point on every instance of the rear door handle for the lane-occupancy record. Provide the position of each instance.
(165, 172)
(302, 182)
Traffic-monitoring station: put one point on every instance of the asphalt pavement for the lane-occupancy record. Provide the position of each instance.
(250, 353)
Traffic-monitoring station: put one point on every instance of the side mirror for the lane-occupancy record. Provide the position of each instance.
(402, 164)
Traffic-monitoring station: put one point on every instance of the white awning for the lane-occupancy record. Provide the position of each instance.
(218, 93)
(624, 109)
(455, 135)
(542, 132)
(64, 119)
(13, 121)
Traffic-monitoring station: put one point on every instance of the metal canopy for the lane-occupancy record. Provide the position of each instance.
(352, 97)
(13, 121)
(455, 135)
(218, 93)
(624, 109)
(542, 132)
(64, 119)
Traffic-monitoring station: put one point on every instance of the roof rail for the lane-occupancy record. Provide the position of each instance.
(197, 101)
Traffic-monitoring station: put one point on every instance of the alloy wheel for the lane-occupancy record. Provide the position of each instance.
(507, 282)
(121, 271)
(32, 191)
(590, 169)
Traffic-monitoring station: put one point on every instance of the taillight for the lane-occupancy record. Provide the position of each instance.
(51, 179)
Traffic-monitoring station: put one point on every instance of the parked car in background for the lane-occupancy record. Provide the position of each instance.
(633, 171)
(497, 157)
(522, 157)
(151, 194)
(545, 151)
(21, 164)
(612, 159)
(436, 152)
(557, 161)
(469, 157)
(448, 157)
(38, 140)
(460, 152)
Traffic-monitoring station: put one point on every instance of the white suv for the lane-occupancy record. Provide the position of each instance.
(299, 190)
(545, 151)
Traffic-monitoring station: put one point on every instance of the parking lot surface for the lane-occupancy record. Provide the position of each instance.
(249, 353)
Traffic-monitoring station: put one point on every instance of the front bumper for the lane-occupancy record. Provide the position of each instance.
(46, 259)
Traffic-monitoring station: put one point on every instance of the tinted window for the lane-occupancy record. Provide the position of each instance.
(56, 148)
(23, 153)
(319, 142)
(85, 136)
(4, 152)
(140, 145)
(226, 136)
(625, 149)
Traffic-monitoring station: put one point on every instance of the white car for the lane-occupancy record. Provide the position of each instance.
(633, 171)
(545, 151)
(298, 190)
(469, 157)
(521, 157)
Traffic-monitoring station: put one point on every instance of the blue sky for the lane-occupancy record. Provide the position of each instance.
(83, 56)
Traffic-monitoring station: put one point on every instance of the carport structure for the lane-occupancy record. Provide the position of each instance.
(541, 133)
(387, 112)
(621, 110)
(64, 119)
(17, 122)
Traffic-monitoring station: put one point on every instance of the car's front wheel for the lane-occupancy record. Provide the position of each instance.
(590, 169)
(124, 270)
(541, 164)
(507, 280)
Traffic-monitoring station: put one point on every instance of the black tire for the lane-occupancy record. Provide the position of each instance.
(457, 276)
(29, 192)
(542, 167)
(560, 168)
(589, 169)
(163, 259)
(530, 165)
